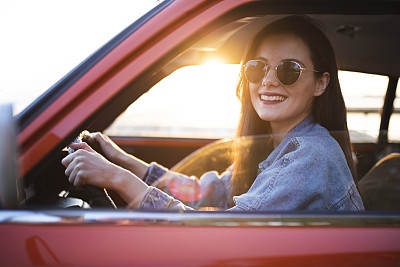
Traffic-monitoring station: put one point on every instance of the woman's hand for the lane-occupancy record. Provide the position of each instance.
(86, 166)
(111, 150)
(116, 155)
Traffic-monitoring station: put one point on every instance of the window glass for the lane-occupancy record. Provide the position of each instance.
(364, 96)
(193, 102)
(394, 124)
(200, 102)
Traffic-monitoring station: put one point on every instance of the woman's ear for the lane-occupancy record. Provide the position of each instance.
(322, 84)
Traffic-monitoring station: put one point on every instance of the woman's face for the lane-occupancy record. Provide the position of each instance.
(285, 106)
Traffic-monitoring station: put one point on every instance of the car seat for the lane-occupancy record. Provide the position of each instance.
(380, 187)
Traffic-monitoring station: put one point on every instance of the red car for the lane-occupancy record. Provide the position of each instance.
(41, 225)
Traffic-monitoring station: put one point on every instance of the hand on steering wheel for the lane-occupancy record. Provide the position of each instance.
(85, 166)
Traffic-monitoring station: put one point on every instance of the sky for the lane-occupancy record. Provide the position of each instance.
(43, 40)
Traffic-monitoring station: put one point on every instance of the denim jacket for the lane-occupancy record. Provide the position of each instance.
(306, 171)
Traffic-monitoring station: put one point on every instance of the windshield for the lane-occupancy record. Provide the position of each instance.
(47, 39)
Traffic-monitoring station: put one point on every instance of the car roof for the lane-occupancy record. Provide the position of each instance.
(362, 43)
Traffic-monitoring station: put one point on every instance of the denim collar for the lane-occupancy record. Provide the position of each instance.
(304, 127)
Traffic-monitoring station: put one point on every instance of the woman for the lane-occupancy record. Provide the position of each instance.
(289, 91)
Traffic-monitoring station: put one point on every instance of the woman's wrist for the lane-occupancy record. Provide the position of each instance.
(135, 165)
(122, 159)
(130, 187)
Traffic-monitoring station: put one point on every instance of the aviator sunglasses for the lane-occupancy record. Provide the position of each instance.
(287, 72)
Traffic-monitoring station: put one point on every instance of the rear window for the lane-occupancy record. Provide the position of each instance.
(394, 125)
(364, 96)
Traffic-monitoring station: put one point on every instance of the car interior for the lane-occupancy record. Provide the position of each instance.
(365, 41)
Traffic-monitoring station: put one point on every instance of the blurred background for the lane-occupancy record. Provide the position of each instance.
(43, 40)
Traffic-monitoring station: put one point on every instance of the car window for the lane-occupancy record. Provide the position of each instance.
(193, 102)
(200, 102)
(364, 96)
(394, 125)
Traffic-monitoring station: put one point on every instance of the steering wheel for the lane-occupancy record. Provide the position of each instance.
(8, 159)
(216, 156)
(95, 196)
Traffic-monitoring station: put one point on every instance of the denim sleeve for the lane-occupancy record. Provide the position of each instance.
(173, 190)
(154, 172)
(154, 198)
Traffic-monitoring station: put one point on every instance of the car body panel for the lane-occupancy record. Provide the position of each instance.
(192, 240)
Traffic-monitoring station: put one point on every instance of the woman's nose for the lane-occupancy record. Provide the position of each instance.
(270, 78)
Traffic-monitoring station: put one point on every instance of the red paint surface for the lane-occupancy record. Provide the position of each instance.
(114, 245)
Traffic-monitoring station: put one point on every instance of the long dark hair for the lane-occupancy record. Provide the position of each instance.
(329, 109)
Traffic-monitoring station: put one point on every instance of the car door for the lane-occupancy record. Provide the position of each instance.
(173, 35)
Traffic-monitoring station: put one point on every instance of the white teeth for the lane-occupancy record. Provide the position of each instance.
(272, 98)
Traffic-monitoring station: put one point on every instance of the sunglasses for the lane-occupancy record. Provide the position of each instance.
(287, 72)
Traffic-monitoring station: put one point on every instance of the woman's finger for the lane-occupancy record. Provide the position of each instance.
(82, 145)
(98, 136)
(76, 171)
(67, 160)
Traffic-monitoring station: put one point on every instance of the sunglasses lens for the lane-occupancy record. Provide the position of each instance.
(254, 71)
(288, 72)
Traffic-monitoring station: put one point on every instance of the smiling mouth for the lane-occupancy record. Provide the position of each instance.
(274, 98)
